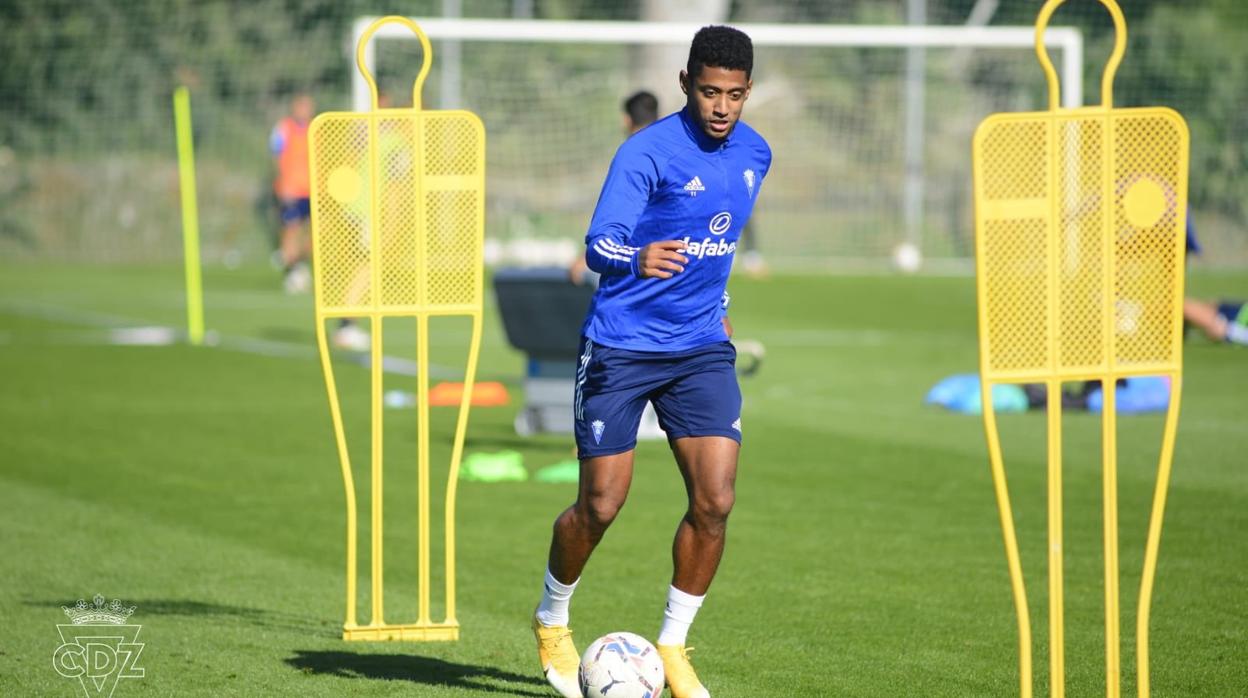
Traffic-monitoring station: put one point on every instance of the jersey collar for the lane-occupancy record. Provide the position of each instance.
(697, 135)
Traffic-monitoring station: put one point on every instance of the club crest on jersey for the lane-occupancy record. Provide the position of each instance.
(720, 223)
(748, 176)
(598, 427)
(694, 186)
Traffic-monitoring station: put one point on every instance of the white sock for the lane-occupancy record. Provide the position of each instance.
(678, 616)
(553, 610)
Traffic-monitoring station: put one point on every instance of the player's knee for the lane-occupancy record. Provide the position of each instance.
(599, 510)
(711, 510)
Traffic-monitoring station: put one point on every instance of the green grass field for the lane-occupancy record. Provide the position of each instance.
(865, 558)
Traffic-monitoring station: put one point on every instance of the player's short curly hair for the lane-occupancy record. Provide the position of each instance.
(720, 47)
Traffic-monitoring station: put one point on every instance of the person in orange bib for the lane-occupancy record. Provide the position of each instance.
(288, 144)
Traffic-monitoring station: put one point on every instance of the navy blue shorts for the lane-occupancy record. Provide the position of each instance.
(695, 393)
(295, 210)
(1233, 312)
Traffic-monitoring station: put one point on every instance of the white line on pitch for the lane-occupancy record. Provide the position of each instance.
(122, 331)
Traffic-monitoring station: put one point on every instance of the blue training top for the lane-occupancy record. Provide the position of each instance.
(671, 181)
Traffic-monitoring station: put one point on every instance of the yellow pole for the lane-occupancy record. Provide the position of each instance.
(378, 490)
(344, 459)
(1109, 383)
(190, 215)
(1013, 562)
(1113, 677)
(1057, 623)
(422, 370)
(374, 243)
(422, 462)
(1154, 532)
(457, 451)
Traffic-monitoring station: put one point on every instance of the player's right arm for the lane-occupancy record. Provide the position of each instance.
(277, 141)
(631, 180)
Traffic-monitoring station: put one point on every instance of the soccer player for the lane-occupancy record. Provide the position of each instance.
(663, 237)
(288, 144)
(640, 110)
(1225, 321)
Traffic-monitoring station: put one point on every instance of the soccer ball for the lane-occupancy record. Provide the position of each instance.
(621, 665)
(907, 257)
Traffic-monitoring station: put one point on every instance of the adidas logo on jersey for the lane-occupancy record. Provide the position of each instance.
(694, 186)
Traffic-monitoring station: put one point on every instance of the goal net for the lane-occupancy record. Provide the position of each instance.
(870, 126)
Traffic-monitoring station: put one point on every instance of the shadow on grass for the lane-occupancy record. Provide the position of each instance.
(422, 670)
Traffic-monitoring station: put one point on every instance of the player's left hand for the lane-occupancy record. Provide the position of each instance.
(727, 326)
(662, 259)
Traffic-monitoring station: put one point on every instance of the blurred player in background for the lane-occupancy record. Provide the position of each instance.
(663, 237)
(1224, 321)
(288, 144)
(640, 110)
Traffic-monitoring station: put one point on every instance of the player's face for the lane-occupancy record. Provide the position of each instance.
(716, 96)
(302, 108)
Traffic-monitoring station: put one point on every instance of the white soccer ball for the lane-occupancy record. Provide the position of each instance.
(621, 665)
(907, 257)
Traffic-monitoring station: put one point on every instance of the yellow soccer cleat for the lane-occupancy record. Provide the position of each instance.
(560, 661)
(679, 673)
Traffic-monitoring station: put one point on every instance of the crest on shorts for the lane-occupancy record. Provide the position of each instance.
(598, 428)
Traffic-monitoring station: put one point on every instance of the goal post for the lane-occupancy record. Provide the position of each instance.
(1067, 40)
(822, 218)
